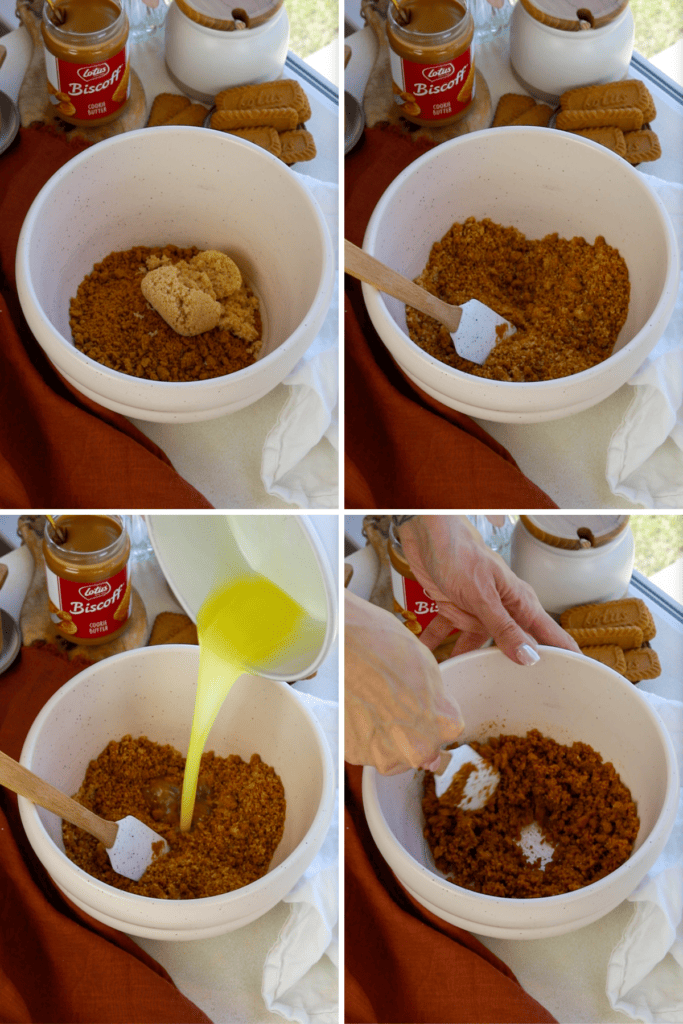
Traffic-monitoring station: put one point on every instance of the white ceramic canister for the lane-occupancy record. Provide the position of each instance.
(207, 51)
(570, 560)
(557, 45)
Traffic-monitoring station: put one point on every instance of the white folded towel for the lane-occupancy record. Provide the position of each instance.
(645, 454)
(301, 971)
(645, 971)
(300, 454)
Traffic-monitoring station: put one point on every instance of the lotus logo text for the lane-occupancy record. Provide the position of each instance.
(93, 71)
(439, 72)
(92, 590)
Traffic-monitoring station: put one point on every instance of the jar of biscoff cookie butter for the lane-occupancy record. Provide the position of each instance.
(432, 60)
(86, 60)
(88, 577)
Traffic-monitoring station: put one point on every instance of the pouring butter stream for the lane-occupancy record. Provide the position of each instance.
(245, 625)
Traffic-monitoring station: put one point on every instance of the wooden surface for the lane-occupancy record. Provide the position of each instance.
(212, 13)
(566, 15)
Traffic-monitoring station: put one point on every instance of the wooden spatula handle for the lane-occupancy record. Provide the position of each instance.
(20, 780)
(364, 267)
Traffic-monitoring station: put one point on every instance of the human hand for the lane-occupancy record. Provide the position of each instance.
(476, 591)
(397, 715)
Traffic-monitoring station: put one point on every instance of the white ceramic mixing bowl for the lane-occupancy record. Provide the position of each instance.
(151, 691)
(570, 698)
(540, 181)
(186, 186)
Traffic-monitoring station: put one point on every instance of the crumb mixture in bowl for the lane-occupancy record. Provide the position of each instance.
(568, 299)
(583, 810)
(112, 321)
(238, 821)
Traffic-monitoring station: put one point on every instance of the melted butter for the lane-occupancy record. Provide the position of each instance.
(245, 626)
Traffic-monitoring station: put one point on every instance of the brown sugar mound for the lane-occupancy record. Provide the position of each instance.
(238, 822)
(186, 293)
(583, 810)
(112, 322)
(568, 299)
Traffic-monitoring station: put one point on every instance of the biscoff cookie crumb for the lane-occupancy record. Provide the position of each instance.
(568, 299)
(112, 322)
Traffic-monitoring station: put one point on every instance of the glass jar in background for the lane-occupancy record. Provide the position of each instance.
(496, 532)
(145, 17)
(489, 21)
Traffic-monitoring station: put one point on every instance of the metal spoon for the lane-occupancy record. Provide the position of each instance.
(474, 328)
(131, 845)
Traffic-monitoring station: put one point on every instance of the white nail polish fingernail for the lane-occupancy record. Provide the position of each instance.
(527, 655)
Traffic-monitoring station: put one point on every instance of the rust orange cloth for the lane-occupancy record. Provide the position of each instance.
(56, 446)
(57, 964)
(404, 964)
(403, 448)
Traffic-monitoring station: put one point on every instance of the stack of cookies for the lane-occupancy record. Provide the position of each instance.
(616, 115)
(272, 115)
(618, 634)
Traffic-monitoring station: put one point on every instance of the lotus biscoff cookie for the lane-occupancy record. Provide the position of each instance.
(165, 106)
(629, 93)
(510, 106)
(608, 654)
(642, 664)
(297, 145)
(283, 93)
(628, 611)
(280, 118)
(610, 137)
(539, 116)
(642, 146)
(625, 637)
(626, 118)
(263, 136)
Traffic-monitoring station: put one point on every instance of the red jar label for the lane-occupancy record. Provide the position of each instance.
(89, 611)
(416, 607)
(433, 92)
(87, 92)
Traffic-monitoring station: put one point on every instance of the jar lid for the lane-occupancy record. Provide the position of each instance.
(225, 15)
(575, 532)
(573, 16)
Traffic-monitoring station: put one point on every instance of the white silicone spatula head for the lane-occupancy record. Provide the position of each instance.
(135, 847)
(130, 844)
(482, 779)
(474, 328)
